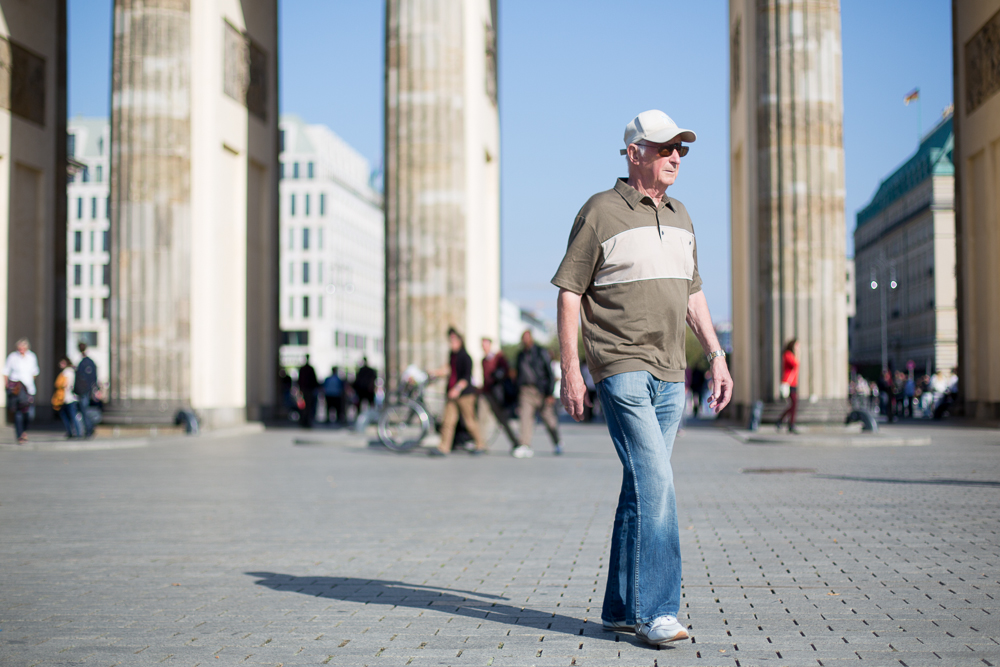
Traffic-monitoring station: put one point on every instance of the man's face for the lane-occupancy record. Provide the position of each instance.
(487, 344)
(526, 339)
(660, 171)
(454, 342)
(23, 349)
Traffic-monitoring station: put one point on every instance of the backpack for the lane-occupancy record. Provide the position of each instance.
(86, 377)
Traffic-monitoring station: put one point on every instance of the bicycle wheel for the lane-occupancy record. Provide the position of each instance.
(401, 427)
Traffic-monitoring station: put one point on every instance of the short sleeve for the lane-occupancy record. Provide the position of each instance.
(583, 253)
(695, 277)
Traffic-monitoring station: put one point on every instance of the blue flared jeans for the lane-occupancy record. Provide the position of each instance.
(644, 572)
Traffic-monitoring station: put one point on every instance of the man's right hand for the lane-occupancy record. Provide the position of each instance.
(573, 393)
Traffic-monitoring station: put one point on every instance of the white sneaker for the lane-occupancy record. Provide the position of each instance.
(522, 452)
(660, 631)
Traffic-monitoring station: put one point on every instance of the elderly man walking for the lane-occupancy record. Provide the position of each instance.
(632, 267)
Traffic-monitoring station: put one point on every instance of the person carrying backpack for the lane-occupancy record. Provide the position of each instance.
(83, 387)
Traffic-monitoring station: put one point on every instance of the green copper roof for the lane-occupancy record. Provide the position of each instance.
(933, 158)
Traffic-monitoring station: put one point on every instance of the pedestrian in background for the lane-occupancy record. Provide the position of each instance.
(309, 386)
(631, 267)
(535, 383)
(790, 384)
(333, 390)
(64, 399)
(364, 386)
(84, 387)
(461, 396)
(19, 373)
(497, 385)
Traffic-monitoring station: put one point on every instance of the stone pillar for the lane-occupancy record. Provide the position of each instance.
(976, 32)
(33, 184)
(787, 189)
(442, 183)
(193, 210)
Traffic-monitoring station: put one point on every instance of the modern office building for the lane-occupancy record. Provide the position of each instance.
(976, 41)
(904, 249)
(88, 241)
(332, 252)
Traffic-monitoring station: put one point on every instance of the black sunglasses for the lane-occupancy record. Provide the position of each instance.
(666, 151)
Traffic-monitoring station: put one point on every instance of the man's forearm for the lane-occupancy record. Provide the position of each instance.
(568, 320)
(700, 321)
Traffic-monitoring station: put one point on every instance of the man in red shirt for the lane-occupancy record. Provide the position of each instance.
(496, 373)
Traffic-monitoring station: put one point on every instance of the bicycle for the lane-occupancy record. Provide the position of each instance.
(405, 419)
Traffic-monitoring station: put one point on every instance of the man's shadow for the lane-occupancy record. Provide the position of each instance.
(481, 606)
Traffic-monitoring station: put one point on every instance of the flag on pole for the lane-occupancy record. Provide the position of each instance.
(912, 96)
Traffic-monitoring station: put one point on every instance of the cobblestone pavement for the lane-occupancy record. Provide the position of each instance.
(284, 549)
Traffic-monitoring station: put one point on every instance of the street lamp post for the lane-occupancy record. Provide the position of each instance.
(881, 263)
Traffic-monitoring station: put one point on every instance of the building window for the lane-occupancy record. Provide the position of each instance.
(106, 274)
(107, 240)
(305, 273)
(291, 307)
(307, 204)
(90, 270)
(336, 339)
(319, 307)
(100, 173)
(93, 208)
(77, 241)
(88, 338)
(305, 308)
(71, 144)
(291, 239)
(107, 207)
(295, 170)
(291, 273)
(77, 274)
(79, 208)
(281, 170)
(281, 141)
(309, 169)
(294, 337)
(92, 241)
(86, 175)
(90, 314)
(305, 236)
(322, 204)
(106, 308)
(319, 275)
(292, 209)
(319, 232)
(100, 149)
(76, 308)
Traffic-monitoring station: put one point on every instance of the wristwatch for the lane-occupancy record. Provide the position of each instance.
(715, 353)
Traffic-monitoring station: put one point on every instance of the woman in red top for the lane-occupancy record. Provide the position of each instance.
(790, 377)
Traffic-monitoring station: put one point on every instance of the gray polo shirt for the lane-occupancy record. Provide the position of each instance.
(635, 264)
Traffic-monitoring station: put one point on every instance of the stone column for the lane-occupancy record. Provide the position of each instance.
(441, 178)
(789, 270)
(193, 210)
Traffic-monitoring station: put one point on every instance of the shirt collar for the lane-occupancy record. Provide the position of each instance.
(633, 197)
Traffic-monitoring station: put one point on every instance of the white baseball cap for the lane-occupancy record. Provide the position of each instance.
(655, 127)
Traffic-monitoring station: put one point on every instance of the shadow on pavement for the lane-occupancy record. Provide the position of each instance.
(889, 480)
(447, 601)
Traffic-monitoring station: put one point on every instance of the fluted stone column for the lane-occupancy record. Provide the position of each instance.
(788, 227)
(441, 178)
(193, 210)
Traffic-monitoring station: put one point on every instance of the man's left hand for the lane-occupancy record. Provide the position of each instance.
(454, 393)
(722, 385)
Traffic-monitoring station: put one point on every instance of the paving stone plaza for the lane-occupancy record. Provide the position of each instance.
(306, 548)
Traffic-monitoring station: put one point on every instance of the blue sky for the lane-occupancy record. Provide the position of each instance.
(571, 75)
